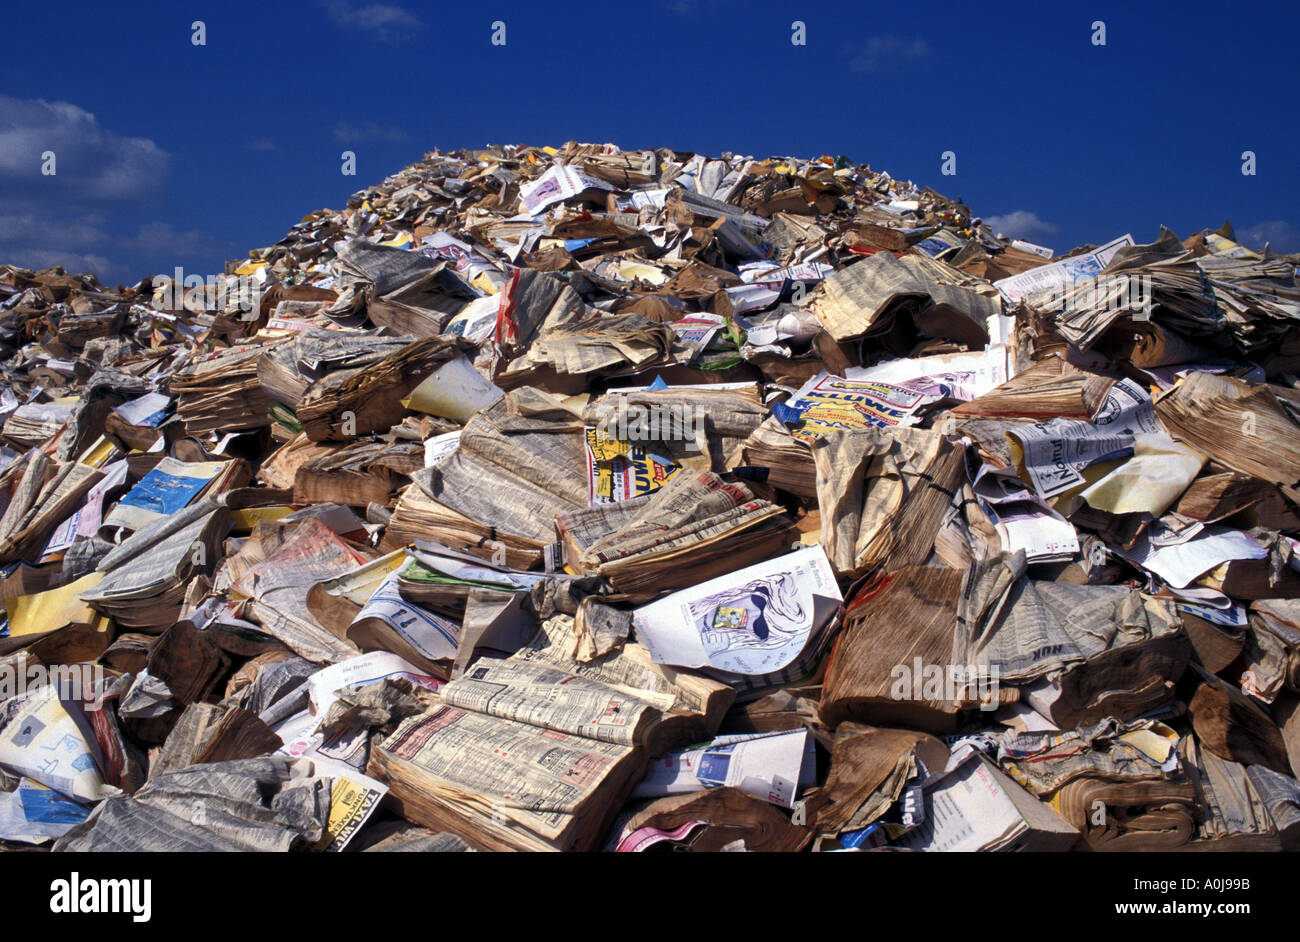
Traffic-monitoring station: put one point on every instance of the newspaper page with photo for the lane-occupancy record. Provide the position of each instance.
(753, 621)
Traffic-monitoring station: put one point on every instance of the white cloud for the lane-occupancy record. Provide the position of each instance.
(91, 163)
(32, 240)
(1020, 224)
(75, 262)
(66, 219)
(160, 238)
(1280, 235)
(383, 21)
(36, 230)
(346, 132)
(694, 8)
(884, 53)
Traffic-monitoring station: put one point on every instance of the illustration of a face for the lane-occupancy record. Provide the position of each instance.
(760, 614)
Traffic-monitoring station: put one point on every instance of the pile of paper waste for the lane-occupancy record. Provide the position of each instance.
(591, 499)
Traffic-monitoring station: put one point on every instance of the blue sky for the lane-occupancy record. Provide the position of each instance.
(170, 153)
